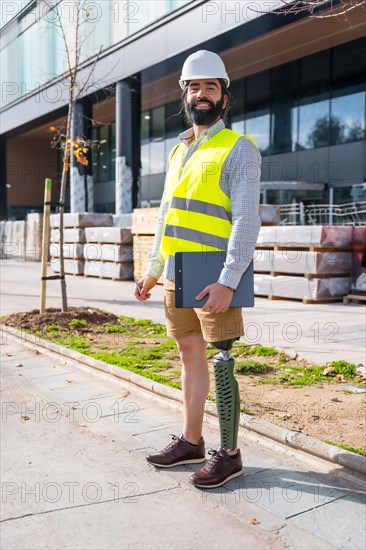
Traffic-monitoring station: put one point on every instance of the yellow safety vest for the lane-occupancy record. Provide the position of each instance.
(198, 216)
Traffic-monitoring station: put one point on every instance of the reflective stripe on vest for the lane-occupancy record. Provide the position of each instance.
(203, 207)
(199, 214)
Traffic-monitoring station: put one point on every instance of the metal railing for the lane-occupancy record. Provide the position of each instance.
(352, 213)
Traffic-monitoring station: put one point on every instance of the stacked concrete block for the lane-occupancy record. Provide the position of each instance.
(75, 225)
(14, 239)
(22, 239)
(309, 263)
(2, 239)
(302, 262)
(108, 253)
(34, 228)
(301, 288)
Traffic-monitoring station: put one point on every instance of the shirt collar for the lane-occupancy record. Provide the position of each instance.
(188, 135)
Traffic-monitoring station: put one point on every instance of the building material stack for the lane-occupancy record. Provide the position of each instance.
(13, 239)
(311, 263)
(143, 228)
(358, 284)
(34, 226)
(75, 224)
(108, 253)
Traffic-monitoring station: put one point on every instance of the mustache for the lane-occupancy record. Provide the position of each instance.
(198, 101)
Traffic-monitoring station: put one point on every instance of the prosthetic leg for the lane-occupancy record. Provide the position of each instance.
(227, 394)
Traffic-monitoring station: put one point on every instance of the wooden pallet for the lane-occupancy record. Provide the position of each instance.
(301, 248)
(144, 221)
(309, 275)
(305, 300)
(142, 245)
(278, 248)
(354, 298)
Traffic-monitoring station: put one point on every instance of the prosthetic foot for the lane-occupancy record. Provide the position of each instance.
(227, 394)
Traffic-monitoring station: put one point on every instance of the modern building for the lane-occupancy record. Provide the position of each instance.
(298, 88)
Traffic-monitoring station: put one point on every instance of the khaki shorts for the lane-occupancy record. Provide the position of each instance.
(213, 326)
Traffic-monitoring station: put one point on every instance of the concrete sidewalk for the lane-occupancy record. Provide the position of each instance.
(319, 333)
(74, 473)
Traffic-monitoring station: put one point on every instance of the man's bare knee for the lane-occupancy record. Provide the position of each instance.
(191, 346)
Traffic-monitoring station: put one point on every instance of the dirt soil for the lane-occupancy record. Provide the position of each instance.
(323, 410)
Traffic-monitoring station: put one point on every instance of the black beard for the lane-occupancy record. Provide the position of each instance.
(206, 117)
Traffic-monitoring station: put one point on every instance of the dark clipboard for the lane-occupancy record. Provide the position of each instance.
(195, 270)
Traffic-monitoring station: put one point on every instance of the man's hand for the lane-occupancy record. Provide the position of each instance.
(145, 284)
(219, 298)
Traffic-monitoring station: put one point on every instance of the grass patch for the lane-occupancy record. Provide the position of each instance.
(244, 410)
(294, 375)
(72, 341)
(131, 363)
(263, 351)
(348, 370)
(78, 323)
(346, 447)
(53, 328)
(145, 327)
(251, 366)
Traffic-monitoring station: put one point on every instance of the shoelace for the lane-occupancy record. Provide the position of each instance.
(172, 443)
(216, 457)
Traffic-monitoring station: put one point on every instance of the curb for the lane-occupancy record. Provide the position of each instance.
(290, 438)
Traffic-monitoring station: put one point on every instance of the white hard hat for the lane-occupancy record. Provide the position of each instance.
(203, 64)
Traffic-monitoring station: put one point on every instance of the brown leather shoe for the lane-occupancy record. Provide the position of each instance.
(219, 469)
(179, 451)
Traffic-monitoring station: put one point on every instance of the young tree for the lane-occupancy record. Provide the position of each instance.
(73, 40)
(332, 8)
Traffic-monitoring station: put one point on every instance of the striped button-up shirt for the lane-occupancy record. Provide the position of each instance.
(239, 180)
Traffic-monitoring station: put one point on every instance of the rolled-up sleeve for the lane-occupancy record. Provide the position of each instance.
(240, 180)
(156, 259)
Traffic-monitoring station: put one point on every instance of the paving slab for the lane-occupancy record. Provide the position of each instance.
(46, 457)
(349, 529)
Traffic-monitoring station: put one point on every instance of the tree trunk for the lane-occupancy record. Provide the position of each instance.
(66, 165)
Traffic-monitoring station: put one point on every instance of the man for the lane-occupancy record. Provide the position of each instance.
(210, 202)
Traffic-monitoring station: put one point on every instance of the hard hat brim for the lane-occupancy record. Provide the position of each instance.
(182, 82)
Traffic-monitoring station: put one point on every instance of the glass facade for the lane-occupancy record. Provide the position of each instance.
(316, 101)
(37, 53)
(140, 13)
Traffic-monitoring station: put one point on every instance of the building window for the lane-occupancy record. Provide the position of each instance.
(314, 125)
(236, 111)
(104, 157)
(174, 125)
(157, 141)
(284, 119)
(257, 126)
(257, 109)
(145, 147)
(347, 118)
